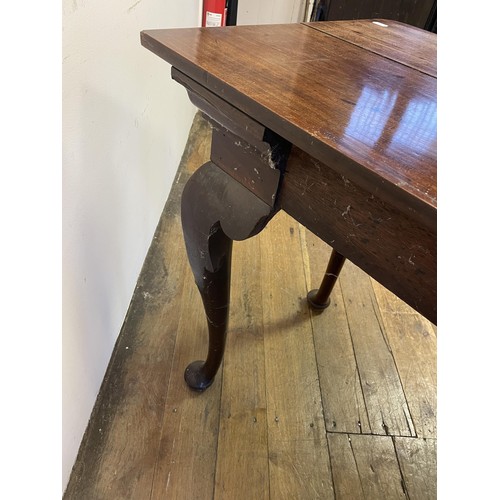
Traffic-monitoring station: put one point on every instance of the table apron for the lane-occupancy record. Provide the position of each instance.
(383, 239)
(248, 151)
(396, 250)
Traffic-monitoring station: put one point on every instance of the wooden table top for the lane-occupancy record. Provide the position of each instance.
(360, 96)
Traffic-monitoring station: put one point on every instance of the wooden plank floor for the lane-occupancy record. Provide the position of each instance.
(340, 404)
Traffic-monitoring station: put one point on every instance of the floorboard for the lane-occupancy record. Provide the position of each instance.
(242, 456)
(339, 404)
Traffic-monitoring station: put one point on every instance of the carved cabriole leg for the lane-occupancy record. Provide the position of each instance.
(320, 299)
(216, 210)
(232, 197)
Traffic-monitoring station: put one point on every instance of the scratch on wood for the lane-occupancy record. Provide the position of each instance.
(355, 462)
(269, 159)
(307, 186)
(346, 181)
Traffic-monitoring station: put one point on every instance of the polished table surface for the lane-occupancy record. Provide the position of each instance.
(333, 122)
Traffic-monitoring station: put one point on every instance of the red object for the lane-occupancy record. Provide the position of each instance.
(214, 13)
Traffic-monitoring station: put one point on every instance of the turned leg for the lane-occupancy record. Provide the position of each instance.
(320, 298)
(216, 210)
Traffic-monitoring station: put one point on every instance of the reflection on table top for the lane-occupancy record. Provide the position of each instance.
(359, 96)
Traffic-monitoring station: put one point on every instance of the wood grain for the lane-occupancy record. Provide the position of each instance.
(417, 459)
(343, 402)
(390, 39)
(354, 110)
(365, 467)
(396, 248)
(413, 344)
(298, 458)
(385, 400)
(186, 460)
(242, 454)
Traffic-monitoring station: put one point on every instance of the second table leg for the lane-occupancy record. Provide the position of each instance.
(320, 298)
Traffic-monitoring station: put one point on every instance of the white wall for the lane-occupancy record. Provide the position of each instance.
(125, 125)
(271, 12)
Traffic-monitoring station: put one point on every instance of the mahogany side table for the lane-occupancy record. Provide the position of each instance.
(332, 122)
